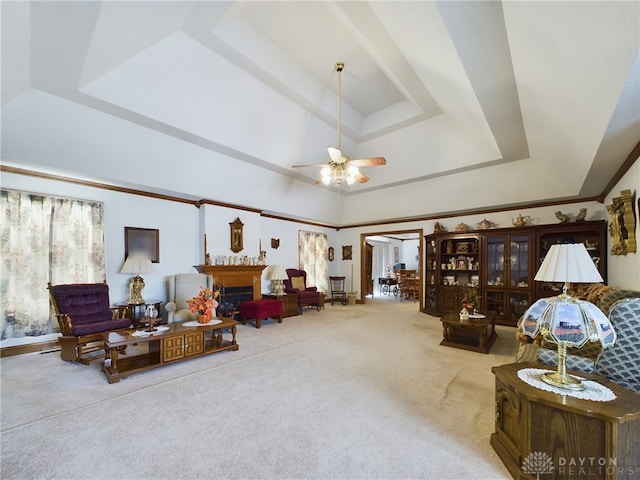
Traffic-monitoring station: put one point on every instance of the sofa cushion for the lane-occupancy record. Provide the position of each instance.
(84, 303)
(298, 283)
(609, 298)
(102, 326)
(621, 362)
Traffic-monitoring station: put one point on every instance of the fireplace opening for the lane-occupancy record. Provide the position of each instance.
(231, 298)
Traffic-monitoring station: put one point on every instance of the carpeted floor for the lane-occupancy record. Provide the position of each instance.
(350, 392)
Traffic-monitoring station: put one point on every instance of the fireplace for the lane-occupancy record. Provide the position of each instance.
(239, 280)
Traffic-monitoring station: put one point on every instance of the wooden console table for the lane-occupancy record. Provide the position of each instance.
(583, 439)
(169, 346)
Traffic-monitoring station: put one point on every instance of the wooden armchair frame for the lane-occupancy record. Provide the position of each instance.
(78, 341)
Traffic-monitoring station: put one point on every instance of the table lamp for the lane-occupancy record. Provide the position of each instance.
(136, 264)
(277, 274)
(565, 320)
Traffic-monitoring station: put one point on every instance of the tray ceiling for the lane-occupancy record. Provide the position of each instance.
(453, 94)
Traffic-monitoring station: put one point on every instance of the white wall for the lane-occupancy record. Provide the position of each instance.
(182, 227)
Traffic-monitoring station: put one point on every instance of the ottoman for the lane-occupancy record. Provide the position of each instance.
(261, 309)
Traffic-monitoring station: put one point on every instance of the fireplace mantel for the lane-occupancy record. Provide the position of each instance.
(236, 276)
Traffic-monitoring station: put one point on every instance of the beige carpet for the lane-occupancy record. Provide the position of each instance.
(350, 392)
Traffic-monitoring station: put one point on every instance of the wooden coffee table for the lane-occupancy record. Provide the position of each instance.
(167, 345)
(475, 334)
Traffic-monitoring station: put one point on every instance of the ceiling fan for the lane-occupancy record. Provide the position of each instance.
(340, 167)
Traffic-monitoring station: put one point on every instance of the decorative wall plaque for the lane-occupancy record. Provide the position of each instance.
(236, 235)
(346, 252)
(622, 224)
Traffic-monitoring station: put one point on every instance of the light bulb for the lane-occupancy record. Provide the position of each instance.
(353, 170)
(325, 172)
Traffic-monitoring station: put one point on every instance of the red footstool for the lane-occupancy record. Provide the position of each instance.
(261, 309)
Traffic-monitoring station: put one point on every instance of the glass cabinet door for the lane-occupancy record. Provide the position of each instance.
(519, 261)
(495, 261)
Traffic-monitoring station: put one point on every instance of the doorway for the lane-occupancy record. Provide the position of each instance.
(369, 276)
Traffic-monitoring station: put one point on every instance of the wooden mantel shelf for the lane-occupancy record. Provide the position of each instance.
(236, 276)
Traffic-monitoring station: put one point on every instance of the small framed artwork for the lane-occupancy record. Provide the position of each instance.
(396, 258)
(236, 235)
(396, 250)
(331, 254)
(142, 241)
(346, 252)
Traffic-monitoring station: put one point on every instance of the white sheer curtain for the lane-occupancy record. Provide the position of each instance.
(312, 258)
(382, 257)
(44, 239)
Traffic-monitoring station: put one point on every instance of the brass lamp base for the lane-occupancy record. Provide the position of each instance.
(135, 290)
(561, 378)
(562, 381)
(278, 288)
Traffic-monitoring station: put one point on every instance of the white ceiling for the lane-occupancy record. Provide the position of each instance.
(519, 102)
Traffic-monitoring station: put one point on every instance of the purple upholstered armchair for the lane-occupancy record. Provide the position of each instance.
(84, 312)
(297, 283)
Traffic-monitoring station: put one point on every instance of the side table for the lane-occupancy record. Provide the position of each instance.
(475, 334)
(135, 311)
(289, 303)
(536, 430)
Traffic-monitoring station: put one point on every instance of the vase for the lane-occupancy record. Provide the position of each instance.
(204, 318)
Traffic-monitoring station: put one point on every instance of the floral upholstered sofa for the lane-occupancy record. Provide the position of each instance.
(620, 363)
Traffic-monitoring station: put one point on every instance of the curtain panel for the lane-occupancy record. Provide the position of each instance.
(312, 258)
(44, 239)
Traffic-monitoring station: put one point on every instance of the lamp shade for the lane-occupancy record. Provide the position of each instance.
(569, 321)
(276, 272)
(137, 264)
(568, 262)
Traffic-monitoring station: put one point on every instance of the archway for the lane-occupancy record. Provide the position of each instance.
(402, 235)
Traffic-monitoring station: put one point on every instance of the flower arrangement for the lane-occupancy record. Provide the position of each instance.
(471, 300)
(204, 302)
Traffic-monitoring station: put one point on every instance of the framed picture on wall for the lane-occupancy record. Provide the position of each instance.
(237, 241)
(143, 241)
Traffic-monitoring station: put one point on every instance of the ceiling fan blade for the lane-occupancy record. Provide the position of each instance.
(369, 162)
(335, 154)
(360, 178)
(310, 165)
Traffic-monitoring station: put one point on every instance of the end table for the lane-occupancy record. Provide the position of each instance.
(289, 303)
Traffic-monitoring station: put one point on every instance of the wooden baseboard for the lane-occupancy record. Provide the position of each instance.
(28, 348)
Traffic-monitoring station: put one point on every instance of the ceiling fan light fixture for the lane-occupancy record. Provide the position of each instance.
(340, 170)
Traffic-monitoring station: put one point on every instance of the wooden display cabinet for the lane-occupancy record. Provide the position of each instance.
(508, 273)
(457, 269)
(592, 234)
(431, 273)
(503, 263)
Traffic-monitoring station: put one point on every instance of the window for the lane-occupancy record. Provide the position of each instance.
(312, 258)
(44, 239)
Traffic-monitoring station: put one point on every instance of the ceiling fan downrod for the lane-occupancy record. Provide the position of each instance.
(339, 68)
